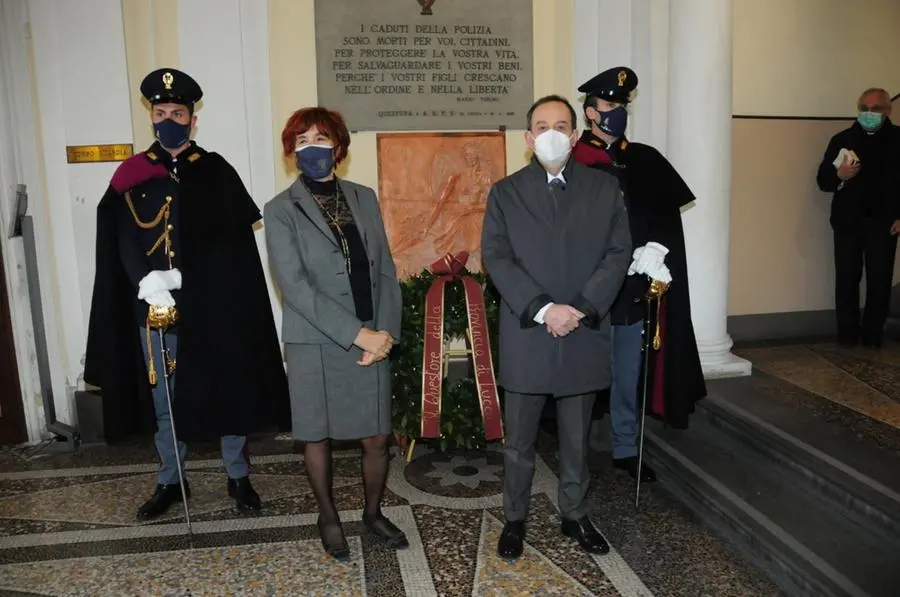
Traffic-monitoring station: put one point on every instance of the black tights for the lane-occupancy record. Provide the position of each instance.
(374, 471)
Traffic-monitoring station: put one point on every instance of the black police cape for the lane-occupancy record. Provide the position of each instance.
(655, 194)
(230, 377)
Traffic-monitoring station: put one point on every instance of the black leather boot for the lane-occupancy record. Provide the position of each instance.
(163, 497)
(243, 493)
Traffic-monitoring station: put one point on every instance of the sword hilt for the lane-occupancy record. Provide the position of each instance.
(655, 292)
(159, 318)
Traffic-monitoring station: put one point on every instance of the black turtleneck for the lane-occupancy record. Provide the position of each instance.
(333, 205)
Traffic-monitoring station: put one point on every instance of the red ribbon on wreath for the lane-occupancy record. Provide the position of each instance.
(450, 269)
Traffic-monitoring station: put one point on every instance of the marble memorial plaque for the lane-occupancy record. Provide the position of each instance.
(425, 64)
(433, 189)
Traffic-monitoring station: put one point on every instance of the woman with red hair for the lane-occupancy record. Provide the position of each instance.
(329, 252)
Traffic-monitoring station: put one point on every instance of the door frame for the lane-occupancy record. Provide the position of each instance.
(19, 164)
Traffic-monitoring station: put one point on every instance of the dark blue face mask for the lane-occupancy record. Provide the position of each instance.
(614, 122)
(171, 134)
(316, 161)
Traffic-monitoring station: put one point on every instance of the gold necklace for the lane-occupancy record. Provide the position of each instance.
(335, 224)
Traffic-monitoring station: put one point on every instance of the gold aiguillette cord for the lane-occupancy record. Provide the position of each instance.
(165, 238)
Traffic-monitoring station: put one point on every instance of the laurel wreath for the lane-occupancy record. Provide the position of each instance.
(461, 424)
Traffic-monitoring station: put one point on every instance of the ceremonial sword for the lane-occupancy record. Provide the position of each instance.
(651, 342)
(160, 319)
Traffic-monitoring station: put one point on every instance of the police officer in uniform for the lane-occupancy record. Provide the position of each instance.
(654, 194)
(174, 229)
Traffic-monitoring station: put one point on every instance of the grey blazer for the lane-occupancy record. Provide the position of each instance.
(310, 272)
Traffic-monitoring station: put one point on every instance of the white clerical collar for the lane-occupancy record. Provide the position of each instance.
(559, 177)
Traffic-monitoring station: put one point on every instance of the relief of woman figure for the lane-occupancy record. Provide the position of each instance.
(463, 212)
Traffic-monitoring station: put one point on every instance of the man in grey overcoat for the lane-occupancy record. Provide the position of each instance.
(556, 244)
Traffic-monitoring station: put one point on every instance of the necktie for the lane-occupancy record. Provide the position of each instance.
(555, 186)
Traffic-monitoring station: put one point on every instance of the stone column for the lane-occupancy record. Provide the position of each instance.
(699, 146)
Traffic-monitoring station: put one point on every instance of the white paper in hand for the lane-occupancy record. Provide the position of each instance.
(850, 156)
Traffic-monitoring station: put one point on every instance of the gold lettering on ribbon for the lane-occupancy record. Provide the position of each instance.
(486, 396)
(431, 395)
(482, 360)
(434, 326)
(432, 361)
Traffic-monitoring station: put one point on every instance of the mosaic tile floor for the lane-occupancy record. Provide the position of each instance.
(67, 520)
(67, 528)
(859, 380)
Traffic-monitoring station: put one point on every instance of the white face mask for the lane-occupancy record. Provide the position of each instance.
(552, 148)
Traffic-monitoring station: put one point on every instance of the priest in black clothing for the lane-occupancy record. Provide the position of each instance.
(174, 229)
(861, 167)
(654, 195)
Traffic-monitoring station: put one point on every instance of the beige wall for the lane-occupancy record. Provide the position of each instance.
(780, 237)
(802, 58)
(292, 36)
(812, 57)
(151, 42)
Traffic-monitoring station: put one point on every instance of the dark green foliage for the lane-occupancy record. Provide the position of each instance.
(461, 425)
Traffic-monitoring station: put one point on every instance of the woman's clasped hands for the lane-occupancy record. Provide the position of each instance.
(376, 346)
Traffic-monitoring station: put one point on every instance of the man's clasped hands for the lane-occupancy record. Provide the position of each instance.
(648, 260)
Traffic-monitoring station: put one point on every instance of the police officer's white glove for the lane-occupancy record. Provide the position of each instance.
(662, 274)
(157, 281)
(649, 258)
(162, 298)
(632, 269)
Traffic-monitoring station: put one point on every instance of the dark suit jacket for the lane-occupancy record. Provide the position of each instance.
(568, 246)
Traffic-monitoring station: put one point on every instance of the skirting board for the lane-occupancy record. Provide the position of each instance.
(795, 325)
(779, 326)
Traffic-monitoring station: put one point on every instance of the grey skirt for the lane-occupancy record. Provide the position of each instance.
(333, 397)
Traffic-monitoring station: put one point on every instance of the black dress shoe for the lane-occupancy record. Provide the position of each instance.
(333, 541)
(847, 342)
(871, 341)
(630, 465)
(587, 536)
(244, 494)
(380, 526)
(163, 497)
(512, 540)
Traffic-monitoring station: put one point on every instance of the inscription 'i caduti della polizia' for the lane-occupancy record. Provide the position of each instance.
(388, 66)
(477, 65)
